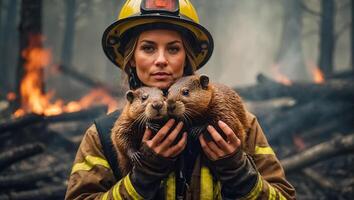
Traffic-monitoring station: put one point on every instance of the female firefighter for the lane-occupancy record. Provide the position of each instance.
(156, 42)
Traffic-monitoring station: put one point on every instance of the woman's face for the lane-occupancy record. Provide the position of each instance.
(159, 58)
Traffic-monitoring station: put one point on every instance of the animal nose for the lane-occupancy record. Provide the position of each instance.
(171, 108)
(171, 105)
(157, 105)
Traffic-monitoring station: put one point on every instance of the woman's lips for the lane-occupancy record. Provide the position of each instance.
(161, 75)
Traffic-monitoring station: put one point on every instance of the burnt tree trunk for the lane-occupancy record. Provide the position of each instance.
(352, 39)
(7, 43)
(30, 29)
(69, 34)
(290, 58)
(327, 37)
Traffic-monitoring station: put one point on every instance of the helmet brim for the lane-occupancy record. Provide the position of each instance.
(113, 36)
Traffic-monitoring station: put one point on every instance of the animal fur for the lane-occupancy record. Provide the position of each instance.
(199, 103)
(145, 106)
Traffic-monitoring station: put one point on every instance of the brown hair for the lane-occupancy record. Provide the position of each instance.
(130, 47)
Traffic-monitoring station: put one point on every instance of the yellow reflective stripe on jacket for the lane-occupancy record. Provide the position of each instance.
(130, 188)
(105, 196)
(256, 190)
(171, 187)
(281, 197)
(264, 150)
(206, 184)
(88, 163)
(272, 193)
(217, 190)
(115, 193)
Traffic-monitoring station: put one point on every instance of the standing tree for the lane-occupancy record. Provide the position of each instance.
(0, 12)
(352, 35)
(325, 61)
(290, 58)
(30, 29)
(7, 42)
(68, 42)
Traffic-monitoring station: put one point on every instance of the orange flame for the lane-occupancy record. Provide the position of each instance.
(317, 74)
(11, 96)
(279, 77)
(33, 99)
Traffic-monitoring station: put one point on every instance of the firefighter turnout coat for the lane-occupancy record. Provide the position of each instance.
(92, 177)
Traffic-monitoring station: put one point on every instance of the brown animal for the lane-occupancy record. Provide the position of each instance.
(145, 107)
(199, 103)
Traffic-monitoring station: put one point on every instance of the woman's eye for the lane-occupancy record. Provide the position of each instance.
(148, 49)
(173, 50)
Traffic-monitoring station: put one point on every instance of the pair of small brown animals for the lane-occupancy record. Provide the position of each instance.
(191, 99)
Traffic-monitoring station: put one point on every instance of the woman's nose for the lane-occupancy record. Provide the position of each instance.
(161, 60)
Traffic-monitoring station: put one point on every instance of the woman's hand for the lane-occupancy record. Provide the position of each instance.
(162, 144)
(219, 148)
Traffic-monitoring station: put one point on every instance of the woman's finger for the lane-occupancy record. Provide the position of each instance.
(178, 148)
(230, 134)
(161, 134)
(214, 148)
(166, 143)
(211, 155)
(222, 144)
(147, 135)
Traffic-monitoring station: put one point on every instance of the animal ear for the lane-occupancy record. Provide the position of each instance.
(130, 96)
(204, 81)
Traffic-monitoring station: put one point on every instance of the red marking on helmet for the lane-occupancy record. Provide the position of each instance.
(169, 5)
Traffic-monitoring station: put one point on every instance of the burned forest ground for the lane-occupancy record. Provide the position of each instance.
(310, 127)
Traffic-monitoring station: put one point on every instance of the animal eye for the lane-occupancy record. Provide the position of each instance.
(185, 92)
(144, 97)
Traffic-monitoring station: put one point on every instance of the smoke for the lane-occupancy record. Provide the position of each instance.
(247, 36)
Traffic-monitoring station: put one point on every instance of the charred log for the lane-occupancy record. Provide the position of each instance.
(4, 197)
(20, 122)
(31, 119)
(50, 192)
(348, 74)
(268, 89)
(336, 124)
(303, 117)
(21, 179)
(337, 146)
(72, 73)
(19, 153)
(320, 180)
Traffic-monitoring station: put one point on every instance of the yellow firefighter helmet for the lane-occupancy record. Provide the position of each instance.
(138, 15)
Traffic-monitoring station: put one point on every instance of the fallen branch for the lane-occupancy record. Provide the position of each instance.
(21, 179)
(268, 89)
(20, 122)
(337, 146)
(320, 180)
(336, 124)
(19, 153)
(31, 119)
(4, 197)
(303, 117)
(50, 192)
(89, 81)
